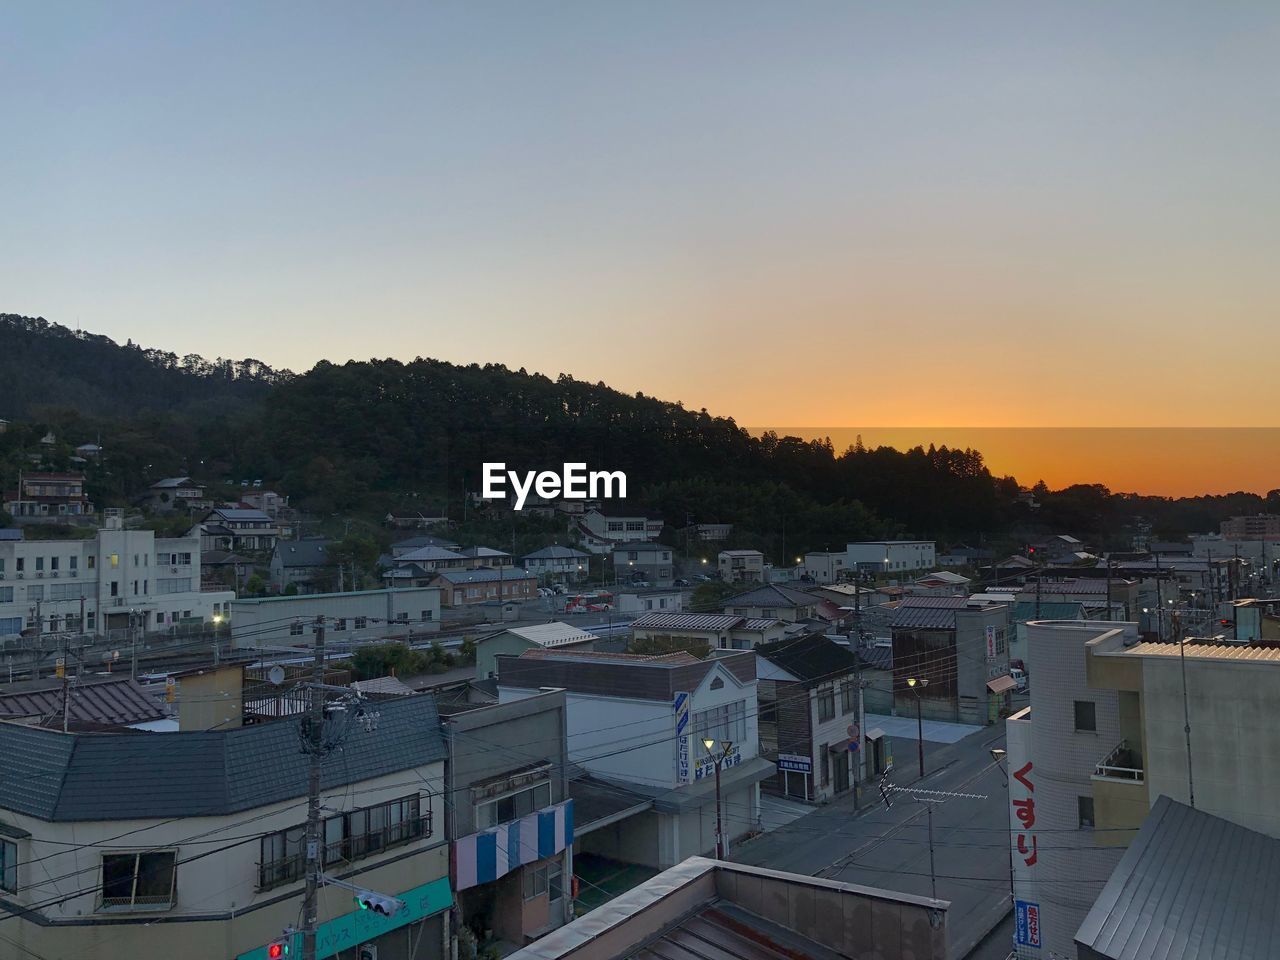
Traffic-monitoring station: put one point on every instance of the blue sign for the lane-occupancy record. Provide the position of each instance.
(1026, 923)
(795, 763)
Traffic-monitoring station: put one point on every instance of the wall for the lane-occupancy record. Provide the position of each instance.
(257, 624)
(973, 668)
(489, 647)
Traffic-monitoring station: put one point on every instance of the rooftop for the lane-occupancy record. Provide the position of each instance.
(1191, 886)
(303, 553)
(430, 554)
(554, 634)
(628, 676)
(810, 658)
(111, 700)
(556, 552)
(771, 595)
(482, 575)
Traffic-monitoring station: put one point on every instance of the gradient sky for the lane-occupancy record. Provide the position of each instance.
(979, 214)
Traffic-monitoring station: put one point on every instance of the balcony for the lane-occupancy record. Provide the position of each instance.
(1122, 763)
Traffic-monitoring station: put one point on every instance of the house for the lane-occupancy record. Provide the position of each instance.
(558, 564)
(176, 493)
(48, 496)
(507, 778)
(892, 556)
(477, 557)
(850, 595)
(644, 561)
(678, 701)
(604, 529)
(121, 580)
(461, 588)
(361, 615)
(516, 640)
(824, 566)
(717, 631)
(409, 544)
(959, 648)
(238, 528)
(964, 556)
(943, 583)
(192, 845)
(92, 699)
(712, 532)
(732, 910)
(305, 564)
(268, 501)
(418, 567)
(811, 723)
(772, 601)
(741, 566)
(89, 451)
(637, 602)
(1056, 548)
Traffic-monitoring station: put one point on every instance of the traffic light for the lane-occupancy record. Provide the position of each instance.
(378, 903)
(278, 949)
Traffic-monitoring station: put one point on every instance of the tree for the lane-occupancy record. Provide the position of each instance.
(708, 596)
(655, 646)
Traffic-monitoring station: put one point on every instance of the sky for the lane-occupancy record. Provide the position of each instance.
(978, 215)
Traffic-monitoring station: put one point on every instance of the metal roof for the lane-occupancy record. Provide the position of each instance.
(810, 659)
(617, 675)
(1191, 886)
(240, 513)
(687, 621)
(551, 634)
(484, 575)
(771, 595)
(556, 552)
(141, 776)
(304, 553)
(100, 700)
(428, 554)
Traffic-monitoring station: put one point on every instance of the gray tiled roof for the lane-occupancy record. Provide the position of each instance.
(556, 552)
(124, 776)
(484, 575)
(304, 553)
(1191, 886)
(771, 595)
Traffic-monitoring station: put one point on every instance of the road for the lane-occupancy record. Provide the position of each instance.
(890, 847)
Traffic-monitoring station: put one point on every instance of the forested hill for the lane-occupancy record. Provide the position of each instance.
(45, 365)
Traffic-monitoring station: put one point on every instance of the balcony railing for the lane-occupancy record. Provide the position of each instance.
(289, 869)
(1122, 763)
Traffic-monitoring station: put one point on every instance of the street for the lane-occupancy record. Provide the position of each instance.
(890, 847)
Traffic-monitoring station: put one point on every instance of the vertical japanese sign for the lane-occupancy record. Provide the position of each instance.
(1026, 923)
(682, 737)
(991, 644)
(1023, 839)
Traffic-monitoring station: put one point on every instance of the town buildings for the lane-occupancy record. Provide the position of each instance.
(719, 631)
(959, 648)
(1261, 526)
(639, 722)
(811, 723)
(236, 528)
(121, 580)
(266, 622)
(515, 640)
(48, 497)
(741, 566)
(463, 588)
(650, 562)
(892, 556)
(825, 566)
(191, 843)
(304, 565)
(176, 493)
(604, 529)
(558, 564)
(773, 602)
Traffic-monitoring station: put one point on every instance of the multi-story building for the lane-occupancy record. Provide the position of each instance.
(644, 561)
(237, 528)
(1260, 526)
(604, 529)
(303, 564)
(510, 818)
(892, 556)
(558, 564)
(640, 722)
(772, 602)
(120, 580)
(825, 566)
(192, 844)
(959, 647)
(265, 622)
(741, 566)
(462, 588)
(176, 493)
(719, 631)
(44, 496)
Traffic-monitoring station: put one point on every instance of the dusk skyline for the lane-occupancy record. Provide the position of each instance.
(902, 206)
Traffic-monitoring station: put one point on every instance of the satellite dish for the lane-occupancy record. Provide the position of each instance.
(276, 674)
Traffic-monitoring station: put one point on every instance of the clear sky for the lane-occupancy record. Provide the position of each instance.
(972, 214)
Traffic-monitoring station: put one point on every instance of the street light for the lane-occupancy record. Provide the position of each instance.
(725, 746)
(917, 684)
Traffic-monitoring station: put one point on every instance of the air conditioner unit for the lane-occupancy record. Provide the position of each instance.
(73, 573)
(53, 573)
(39, 574)
(21, 575)
(1, 576)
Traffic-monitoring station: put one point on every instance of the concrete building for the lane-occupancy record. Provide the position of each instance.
(558, 564)
(717, 631)
(274, 622)
(463, 588)
(773, 602)
(120, 580)
(191, 844)
(825, 566)
(606, 528)
(650, 562)
(639, 722)
(741, 566)
(811, 723)
(892, 556)
(1260, 526)
(514, 641)
(960, 647)
(506, 778)
(634, 603)
(733, 910)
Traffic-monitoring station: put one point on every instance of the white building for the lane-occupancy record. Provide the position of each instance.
(892, 556)
(190, 844)
(119, 580)
(558, 563)
(639, 722)
(825, 567)
(602, 531)
(361, 615)
(741, 566)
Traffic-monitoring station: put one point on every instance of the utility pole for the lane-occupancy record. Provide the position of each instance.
(1186, 708)
(133, 642)
(310, 903)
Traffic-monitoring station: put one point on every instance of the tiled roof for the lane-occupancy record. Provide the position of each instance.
(140, 776)
(810, 658)
(927, 613)
(304, 553)
(240, 514)
(428, 555)
(484, 575)
(103, 700)
(556, 552)
(771, 595)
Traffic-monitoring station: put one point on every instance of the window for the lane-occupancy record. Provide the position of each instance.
(535, 882)
(340, 625)
(426, 615)
(555, 889)
(138, 880)
(73, 562)
(53, 563)
(6, 594)
(1086, 716)
(10, 626)
(826, 704)
(91, 620)
(115, 588)
(21, 563)
(93, 561)
(347, 837)
(849, 696)
(35, 593)
(167, 585)
(295, 629)
(1084, 806)
(360, 623)
(513, 806)
(8, 866)
(115, 560)
(726, 722)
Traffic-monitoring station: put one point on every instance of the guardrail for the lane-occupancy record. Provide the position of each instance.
(1110, 768)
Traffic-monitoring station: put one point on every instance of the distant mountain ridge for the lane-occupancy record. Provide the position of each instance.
(46, 365)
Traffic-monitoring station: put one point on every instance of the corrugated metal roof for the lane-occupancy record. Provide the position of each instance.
(1191, 886)
(687, 621)
(712, 934)
(1206, 651)
(109, 776)
(757, 623)
(552, 634)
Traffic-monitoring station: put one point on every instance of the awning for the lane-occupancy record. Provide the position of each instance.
(875, 733)
(1001, 684)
